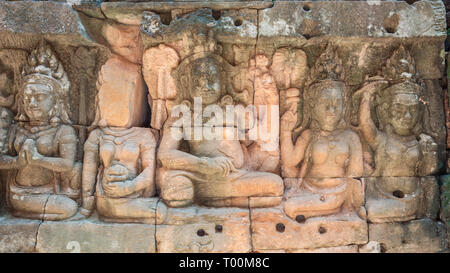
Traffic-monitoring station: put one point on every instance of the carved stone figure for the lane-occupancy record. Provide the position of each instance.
(399, 109)
(6, 116)
(119, 160)
(401, 149)
(264, 152)
(209, 171)
(44, 179)
(330, 154)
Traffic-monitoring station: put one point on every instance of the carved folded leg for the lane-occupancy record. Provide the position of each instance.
(176, 189)
(137, 210)
(393, 199)
(310, 202)
(262, 187)
(50, 207)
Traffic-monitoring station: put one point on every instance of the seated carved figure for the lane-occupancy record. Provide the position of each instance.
(210, 171)
(119, 159)
(400, 148)
(329, 154)
(44, 179)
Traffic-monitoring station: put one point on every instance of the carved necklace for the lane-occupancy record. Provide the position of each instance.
(118, 136)
(36, 131)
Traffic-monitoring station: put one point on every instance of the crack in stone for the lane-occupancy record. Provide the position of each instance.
(156, 225)
(250, 226)
(40, 223)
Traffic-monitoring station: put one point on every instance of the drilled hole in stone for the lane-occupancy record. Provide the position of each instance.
(322, 230)
(307, 36)
(238, 22)
(391, 23)
(300, 218)
(166, 18)
(306, 7)
(280, 227)
(382, 248)
(201, 232)
(411, 1)
(219, 228)
(398, 194)
(216, 14)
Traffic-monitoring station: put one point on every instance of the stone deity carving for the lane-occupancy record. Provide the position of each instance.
(44, 179)
(119, 159)
(395, 134)
(210, 172)
(329, 153)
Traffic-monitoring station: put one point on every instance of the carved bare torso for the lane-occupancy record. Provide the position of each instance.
(46, 144)
(397, 156)
(120, 152)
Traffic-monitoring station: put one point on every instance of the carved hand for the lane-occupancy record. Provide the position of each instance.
(33, 156)
(369, 89)
(427, 144)
(119, 189)
(29, 153)
(22, 159)
(222, 166)
(288, 121)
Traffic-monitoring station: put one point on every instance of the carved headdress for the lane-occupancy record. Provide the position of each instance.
(328, 67)
(206, 50)
(44, 68)
(327, 72)
(400, 72)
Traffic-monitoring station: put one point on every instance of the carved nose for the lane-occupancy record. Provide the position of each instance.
(203, 83)
(33, 102)
(331, 109)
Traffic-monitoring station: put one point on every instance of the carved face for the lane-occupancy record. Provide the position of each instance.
(38, 101)
(404, 113)
(205, 81)
(328, 108)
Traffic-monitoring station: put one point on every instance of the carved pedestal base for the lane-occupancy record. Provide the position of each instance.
(94, 236)
(273, 230)
(422, 235)
(17, 235)
(199, 229)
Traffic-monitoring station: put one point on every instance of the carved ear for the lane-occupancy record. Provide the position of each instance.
(184, 81)
(187, 103)
(226, 100)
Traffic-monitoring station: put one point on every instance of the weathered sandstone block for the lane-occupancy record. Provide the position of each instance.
(95, 236)
(273, 230)
(199, 229)
(17, 235)
(122, 94)
(422, 235)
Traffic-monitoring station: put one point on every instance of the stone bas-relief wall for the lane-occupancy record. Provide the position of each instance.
(342, 147)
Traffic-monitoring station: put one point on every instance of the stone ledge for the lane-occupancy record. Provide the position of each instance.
(200, 229)
(272, 230)
(91, 235)
(18, 235)
(362, 19)
(422, 235)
